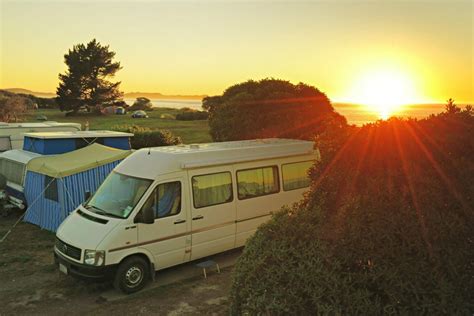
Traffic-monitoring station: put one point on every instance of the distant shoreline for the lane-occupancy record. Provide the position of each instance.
(127, 95)
(159, 96)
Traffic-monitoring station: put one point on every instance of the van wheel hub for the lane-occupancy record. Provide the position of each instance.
(134, 276)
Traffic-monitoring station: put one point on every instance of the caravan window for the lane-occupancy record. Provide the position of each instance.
(295, 175)
(165, 199)
(257, 182)
(212, 189)
(51, 188)
(12, 170)
(5, 143)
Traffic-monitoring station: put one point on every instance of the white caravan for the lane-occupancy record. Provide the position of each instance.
(12, 134)
(168, 205)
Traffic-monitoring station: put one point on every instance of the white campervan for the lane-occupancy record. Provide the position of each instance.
(168, 205)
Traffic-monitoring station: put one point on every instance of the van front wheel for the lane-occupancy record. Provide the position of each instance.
(132, 275)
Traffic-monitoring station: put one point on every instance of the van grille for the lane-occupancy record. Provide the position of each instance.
(68, 249)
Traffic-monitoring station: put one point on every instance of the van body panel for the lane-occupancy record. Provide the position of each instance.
(121, 242)
(89, 233)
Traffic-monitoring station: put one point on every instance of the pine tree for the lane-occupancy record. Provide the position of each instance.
(85, 82)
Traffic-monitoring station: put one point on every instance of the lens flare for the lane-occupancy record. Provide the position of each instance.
(384, 92)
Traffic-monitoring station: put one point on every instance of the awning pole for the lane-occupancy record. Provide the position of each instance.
(24, 213)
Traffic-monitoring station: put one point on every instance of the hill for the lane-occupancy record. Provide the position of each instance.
(128, 95)
(35, 93)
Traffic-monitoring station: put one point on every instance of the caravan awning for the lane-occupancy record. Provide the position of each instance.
(73, 162)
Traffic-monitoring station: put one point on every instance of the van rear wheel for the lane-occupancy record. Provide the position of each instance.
(132, 275)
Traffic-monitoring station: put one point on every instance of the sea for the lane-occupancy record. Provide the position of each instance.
(355, 114)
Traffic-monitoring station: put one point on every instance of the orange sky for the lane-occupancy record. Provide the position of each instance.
(346, 48)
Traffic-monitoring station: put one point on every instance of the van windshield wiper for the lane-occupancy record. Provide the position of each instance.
(100, 211)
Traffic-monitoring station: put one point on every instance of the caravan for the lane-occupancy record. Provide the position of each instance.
(12, 134)
(164, 206)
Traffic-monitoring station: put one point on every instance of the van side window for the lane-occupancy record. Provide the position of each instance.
(257, 182)
(51, 188)
(212, 189)
(165, 199)
(295, 175)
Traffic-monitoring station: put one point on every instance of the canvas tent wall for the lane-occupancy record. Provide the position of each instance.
(51, 143)
(56, 185)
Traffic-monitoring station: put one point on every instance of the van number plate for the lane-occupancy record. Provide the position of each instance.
(63, 268)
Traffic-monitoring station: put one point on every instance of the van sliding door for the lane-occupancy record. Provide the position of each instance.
(213, 211)
(167, 237)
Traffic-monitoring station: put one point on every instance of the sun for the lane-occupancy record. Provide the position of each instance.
(384, 91)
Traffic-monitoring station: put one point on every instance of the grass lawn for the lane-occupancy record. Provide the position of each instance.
(159, 118)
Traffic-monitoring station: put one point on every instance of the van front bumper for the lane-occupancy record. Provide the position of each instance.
(84, 271)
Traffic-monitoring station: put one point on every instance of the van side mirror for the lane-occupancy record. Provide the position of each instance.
(87, 195)
(145, 216)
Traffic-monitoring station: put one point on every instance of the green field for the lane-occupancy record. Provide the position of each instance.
(159, 118)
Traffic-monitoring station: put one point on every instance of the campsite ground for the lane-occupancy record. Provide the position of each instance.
(31, 284)
(159, 118)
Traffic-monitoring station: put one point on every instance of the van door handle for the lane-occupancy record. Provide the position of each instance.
(198, 217)
(180, 221)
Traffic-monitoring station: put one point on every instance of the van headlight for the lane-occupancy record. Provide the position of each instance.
(94, 257)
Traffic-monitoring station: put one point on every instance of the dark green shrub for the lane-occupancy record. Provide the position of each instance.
(146, 137)
(192, 116)
(388, 228)
(141, 103)
(269, 108)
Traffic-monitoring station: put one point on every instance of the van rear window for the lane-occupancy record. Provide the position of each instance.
(295, 175)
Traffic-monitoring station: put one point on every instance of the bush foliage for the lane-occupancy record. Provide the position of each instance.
(269, 108)
(146, 137)
(387, 227)
(141, 104)
(192, 115)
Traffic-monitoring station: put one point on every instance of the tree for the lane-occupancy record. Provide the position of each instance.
(85, 82)
(141, 103)
(12, 107)
(451, 107)
(269, 108)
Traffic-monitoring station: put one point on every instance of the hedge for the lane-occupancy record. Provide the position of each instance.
(145, 137)
(387, 228)
(192, 116)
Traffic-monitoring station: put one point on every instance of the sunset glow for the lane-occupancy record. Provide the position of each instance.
(402, 54)
(384, 91)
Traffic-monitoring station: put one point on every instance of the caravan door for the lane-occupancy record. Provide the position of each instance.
(213, 211)
(168, 236)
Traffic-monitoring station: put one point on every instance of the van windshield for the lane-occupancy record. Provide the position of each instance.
(118, 195)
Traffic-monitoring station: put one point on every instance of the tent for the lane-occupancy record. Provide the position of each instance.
(55, 185)
(51, 143)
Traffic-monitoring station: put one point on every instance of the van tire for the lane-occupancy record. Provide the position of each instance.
(132, 275)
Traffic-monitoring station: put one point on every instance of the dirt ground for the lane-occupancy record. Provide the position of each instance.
(31, 284)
